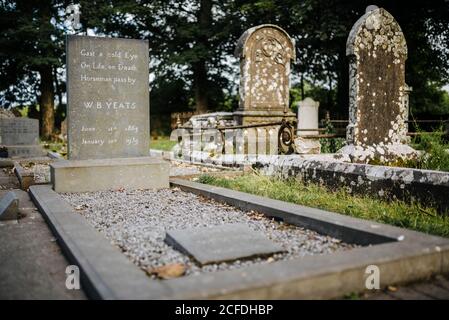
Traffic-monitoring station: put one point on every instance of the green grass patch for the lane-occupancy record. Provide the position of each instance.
(162, 143)
(397, 213)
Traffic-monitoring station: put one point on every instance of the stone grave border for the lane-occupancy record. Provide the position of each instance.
(401, 255)
(429, 187)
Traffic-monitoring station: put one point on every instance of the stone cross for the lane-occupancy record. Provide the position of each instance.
(265, 52)
(378, 98)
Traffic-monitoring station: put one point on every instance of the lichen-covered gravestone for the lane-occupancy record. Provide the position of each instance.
(108, 118)
(265, 52)
(378, 107)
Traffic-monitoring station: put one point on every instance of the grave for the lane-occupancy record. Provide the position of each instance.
(378, 102)
(265, 52)
(108, 118)
(20, 136)
(221, 243)
(307, 119)
(9, 206)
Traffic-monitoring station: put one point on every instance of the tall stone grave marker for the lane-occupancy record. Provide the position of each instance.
(377, 52)
(265, 52)
(108, 118)
(108, 98)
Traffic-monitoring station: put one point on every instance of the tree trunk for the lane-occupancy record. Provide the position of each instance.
(47, 102)
(200, 83)
(200, 80)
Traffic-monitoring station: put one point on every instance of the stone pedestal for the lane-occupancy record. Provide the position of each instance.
(109, 174)
(245, 117)
(25, 151)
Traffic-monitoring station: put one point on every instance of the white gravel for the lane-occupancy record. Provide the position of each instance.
(136, 222)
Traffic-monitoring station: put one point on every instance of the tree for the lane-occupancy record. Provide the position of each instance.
(30, 51)
(322, 28)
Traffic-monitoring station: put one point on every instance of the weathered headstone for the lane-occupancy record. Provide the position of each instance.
(265, 52)
(108, 116)
(377, 52)
(21, 137)
(307, 116)
(9, 206)
(221, 243)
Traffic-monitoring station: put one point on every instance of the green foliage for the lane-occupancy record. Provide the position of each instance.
(397, 213)
(162, 143)
(436, 156)
(192, 44)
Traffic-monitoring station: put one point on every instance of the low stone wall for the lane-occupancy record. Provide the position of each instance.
(426, 186)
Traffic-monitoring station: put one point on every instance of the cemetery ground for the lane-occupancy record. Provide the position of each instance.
(133, 223)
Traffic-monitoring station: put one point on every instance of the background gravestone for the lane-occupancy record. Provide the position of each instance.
(378, 112)
(21, 137)
(307, 119)
(265, 52)
(108, 98)
(19, 131)
(308, 116)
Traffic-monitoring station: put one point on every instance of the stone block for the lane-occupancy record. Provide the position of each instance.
(221, 243)
(109, 174)
(9, 206)
(25, 151)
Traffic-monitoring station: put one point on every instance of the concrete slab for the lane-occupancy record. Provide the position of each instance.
(108, 174)
(9, 206)
(32, 265)
(401, 255)
(25, 151)
(105, 272)
(221, 243)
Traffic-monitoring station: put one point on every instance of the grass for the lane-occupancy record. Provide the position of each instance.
(397, 213)
(436, 155)
(162, 143)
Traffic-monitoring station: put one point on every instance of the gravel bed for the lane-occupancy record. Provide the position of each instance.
(136, 222)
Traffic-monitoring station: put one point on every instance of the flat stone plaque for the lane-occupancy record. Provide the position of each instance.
(108, 98)
(221, 243)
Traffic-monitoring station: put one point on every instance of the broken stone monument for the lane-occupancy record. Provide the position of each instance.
(265, 52)
(378, 107)
(9, 206)
(307, 119)
(20, 136)
(108, 116)
(221, 243)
